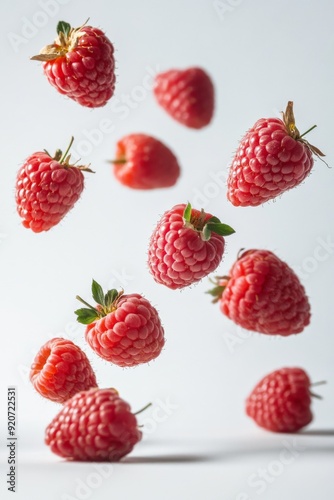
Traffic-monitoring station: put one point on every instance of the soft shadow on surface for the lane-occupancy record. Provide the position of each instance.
(168, 459)
(225, 451)
(223, 456)
(301, 449)
(318, 432)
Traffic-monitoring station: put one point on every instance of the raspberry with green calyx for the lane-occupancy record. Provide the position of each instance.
(80, 64)
(271, 158)
(186, 246)
(47, 188)
(124, 329)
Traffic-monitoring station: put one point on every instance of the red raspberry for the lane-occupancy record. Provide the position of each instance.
(80, 64)
(60, 370)
(143, 162)
(281, 401)
(47, 188)
(271, 158)
(123, 329)
(186, 246)
(263, 294)
(186, 95)
(94, 425)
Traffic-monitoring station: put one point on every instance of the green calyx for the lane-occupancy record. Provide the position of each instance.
(203, 226)
(65, 158)
(66, 41)
(313, 394)
(292, 130)
(107, 303)
(64, 29)
(217, 291)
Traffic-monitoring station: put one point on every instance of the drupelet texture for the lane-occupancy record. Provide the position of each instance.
(94, 425)
(281, 401)
(60, 370)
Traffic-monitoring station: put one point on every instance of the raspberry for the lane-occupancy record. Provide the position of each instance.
(47, 189)
(271, 158)
(123, 329)
(143, 162)
(281, 401)
(262, 293)
(80, 64)
(187, 96)
(94, 425)
(60, 370)
(186, 246)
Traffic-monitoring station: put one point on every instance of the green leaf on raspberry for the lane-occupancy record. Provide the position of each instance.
(216, 227)
(106, 303)
(219, 228)
(86, 316)
(218, 290)
(187, 213)
(206, 233)
(97, 293)
(216, 293)
(214, 219)
(109, 297)
(63, 27)
(212, 225)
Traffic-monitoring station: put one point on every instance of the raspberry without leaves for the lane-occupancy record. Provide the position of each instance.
(271, 158)
(143, 162)
(262, 293)
(123, 329)
(186, 245)
(47, 189)
(281, 401)
(94, 425)
(187, 96)
(60, 370)
(80, 64)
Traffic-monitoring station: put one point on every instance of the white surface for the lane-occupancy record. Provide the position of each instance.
(234, 468)
(260, 54)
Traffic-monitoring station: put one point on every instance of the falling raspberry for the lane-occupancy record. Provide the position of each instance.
(271, 158)
(94, 425)
(186, 245)
(263, 294)
(47, 189)
(60, 370)
(80, 64)
(143, 162)
(123, 329)
(186, 95)
(281, 401)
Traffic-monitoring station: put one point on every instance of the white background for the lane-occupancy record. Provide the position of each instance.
(260, 54)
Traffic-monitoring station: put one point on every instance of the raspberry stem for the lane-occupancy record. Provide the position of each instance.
(314, 395)
(143, 409)
(322, 382)
(86, 304)
(62, 159)
(118, 162)
(314, 384)
(307, 131)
